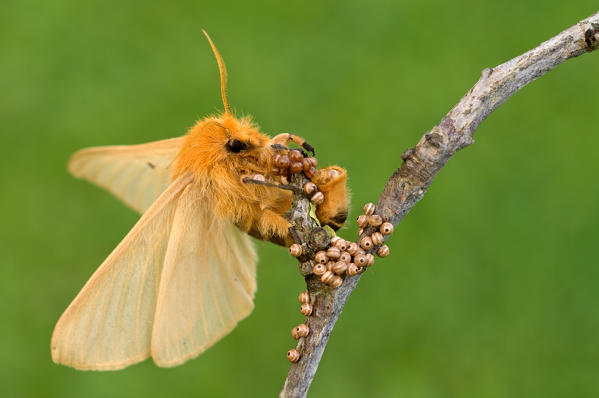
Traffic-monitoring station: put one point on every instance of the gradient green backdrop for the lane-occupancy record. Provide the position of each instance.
(491, 289)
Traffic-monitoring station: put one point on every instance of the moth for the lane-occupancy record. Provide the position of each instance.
(185, 274)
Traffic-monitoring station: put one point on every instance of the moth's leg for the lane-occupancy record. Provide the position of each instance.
(279, 147)
(284, 138)
(332, 182)
(273, 224)
(247, 180)
(280, 139)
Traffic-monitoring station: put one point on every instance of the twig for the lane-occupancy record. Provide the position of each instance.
(409, 182)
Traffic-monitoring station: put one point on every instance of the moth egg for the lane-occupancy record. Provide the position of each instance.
(304, 297)
(377, 238)
(330, 265)
(341, 244)
(361, 260)
(336, 281)
(327, 277)
(259, 177)
(306, 309)
(307, 164)
(352, 269)
(340, 267)
(375, 220)
(295, 250)
(366, 243)
(321, 257)
(317, 198)
(302, 330)
(324, 178)
(369, 209)
(333, 253)
(296, 156)
(369, 259)
(296, 167)
(319, 269)
(387, 228)
(362, 220)
(345, 257)
(293, 355)
(284, 180)
(311, 172)
(283, 162)
(383, 251)
(353, 248)
(309, 188)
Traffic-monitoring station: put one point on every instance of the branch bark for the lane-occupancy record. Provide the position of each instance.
(409, 182)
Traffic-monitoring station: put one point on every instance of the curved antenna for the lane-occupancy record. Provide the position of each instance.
(223, 74)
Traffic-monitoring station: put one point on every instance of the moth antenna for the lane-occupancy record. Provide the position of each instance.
(223, 74)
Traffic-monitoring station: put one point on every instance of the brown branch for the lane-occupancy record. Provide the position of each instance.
(422, 163)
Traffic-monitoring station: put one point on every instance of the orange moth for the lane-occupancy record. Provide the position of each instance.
(185, 274)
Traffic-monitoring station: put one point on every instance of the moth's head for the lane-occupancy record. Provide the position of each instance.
(241, 135)
(220, 141)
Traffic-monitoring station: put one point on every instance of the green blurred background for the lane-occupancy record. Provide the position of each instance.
(491, 289)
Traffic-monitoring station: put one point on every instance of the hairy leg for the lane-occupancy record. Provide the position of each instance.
(332, 182)
(273, 224)
(285, 138)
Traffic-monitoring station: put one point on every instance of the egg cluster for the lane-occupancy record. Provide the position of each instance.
(340, 259)
(296, 162)
(343, 257)
(377, 238)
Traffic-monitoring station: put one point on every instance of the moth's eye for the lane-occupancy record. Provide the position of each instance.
(236, 146)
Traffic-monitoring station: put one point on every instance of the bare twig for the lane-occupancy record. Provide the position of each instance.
(409, 182)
